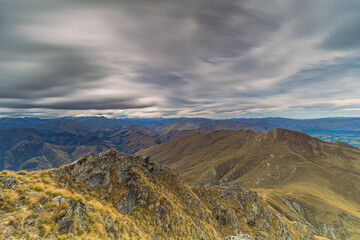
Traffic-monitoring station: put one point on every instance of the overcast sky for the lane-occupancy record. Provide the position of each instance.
(171, 58)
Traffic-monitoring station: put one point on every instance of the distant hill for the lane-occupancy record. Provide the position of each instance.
(108, 196)
(64, 126)
(306, 178)
(61, 136)
(131, 135)
(129, 139)
(27, 155)
(165, 124)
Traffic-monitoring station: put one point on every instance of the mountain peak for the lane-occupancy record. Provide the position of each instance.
(283, 134)
(63, 125)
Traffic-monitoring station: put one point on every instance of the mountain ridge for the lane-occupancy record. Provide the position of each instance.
(131, 135)
(109, 196)
(278, 163)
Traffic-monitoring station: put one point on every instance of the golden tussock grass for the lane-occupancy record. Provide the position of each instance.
(11, 196)
(39, 187)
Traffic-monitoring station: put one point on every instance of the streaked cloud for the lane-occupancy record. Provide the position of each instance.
(156, 58)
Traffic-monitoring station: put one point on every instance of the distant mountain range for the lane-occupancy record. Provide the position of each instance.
(51, 142)
(304, 178)
(309, 181)
(258, 124)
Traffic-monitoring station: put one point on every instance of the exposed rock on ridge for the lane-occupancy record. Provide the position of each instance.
(130, 198)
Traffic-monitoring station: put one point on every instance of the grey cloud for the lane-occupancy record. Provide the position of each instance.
(96, 104)
(180, 34)
(160, 78)
(344, 37)
(59, 70)
(325, 73)
(195, 55)
(58, 75)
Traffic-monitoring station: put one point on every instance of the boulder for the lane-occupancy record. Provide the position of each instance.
(65, 225)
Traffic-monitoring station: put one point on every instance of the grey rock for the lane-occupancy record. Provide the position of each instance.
(110, 189)
(143, 197)
(256, 211)
(127, 203)
(83, 174)
(239, 236)
(329, 231)
(78, 209)
(267, 227)
(203, 235)
(222, 214)
(10, 183)
(70, 202)
(252, 219)
(65, 225)
(198, 215)
(108, 158)
(146, 159)
(154, 167)
(161, 212)
(124, 176)
(135, 159)
(236, 225)
(82, 225)
(57, 199)
(98, 180)
(228, 218)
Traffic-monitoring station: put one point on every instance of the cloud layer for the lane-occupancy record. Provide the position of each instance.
(180, 58)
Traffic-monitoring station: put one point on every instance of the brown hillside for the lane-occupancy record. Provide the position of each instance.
(287, 167)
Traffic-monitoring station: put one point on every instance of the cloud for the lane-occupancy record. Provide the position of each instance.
(86, 104)
(344, 37)
(178, 58)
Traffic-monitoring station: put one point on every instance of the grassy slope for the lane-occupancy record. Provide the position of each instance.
(323, 177)
(28, 210)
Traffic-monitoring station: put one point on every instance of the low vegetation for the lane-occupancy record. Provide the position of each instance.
(107, 196)
(306, 179)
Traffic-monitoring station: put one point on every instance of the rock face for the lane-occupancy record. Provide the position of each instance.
(239, 236)
(109, 196)
(135, 184)
(10, 182)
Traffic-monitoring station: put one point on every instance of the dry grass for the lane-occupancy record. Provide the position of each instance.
(166, 190)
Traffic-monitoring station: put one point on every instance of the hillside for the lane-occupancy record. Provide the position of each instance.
(31, 149)
(108, 196)
(64, 139)
(129, 139)
(64, 126)
(303, 177)
(27, 155)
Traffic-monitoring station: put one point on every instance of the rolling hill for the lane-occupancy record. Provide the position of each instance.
(303, 177)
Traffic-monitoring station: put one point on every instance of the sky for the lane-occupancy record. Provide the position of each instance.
(180, 58)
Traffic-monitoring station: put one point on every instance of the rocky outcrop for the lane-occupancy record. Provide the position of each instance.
(111, 196)
(239, 236)
(133, 182)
